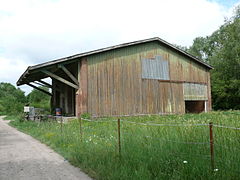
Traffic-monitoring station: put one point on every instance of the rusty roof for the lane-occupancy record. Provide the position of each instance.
(72, 58)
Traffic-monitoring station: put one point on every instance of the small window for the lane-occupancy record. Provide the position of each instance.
(156, 68)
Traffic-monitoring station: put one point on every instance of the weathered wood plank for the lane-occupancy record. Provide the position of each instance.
(42, 90)
(117, 87)
(60, 79)
(45, 83)
(69, 74)
(84, 86)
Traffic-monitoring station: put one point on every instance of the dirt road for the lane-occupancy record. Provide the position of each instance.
(24, 158)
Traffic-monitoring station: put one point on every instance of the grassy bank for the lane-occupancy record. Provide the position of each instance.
(155, 147)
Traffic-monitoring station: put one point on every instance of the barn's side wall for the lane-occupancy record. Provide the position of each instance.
(82, 92)
(115, 85)
(209, 103)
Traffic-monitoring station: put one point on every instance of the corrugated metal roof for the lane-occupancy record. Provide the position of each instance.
(76, 56)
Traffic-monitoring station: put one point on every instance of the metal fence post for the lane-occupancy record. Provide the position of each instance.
(211, 144)
(119, 138)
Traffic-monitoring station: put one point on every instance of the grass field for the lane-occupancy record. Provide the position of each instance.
(155, 147)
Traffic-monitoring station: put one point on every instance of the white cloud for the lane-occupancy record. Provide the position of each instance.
(10, 70)
(34, 31)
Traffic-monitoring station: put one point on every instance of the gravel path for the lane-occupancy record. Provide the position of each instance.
(24, 158)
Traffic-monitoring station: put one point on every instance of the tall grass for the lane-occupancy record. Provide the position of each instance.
(181, 151)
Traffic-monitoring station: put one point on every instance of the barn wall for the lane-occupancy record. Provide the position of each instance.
(82, 93)
(209, 102)
(116, 87)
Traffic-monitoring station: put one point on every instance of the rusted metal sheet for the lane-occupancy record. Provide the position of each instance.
(193, 91)
(156, 68)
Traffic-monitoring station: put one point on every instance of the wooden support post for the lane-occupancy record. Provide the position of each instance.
(211, 145)
(45, 83)
(69, 74)
(42, 90)
(38, 83)
(60, 79)
(119, 137)
(77, 107)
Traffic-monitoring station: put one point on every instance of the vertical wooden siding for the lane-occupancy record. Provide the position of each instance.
(116, 87)
(82, 93)
(209, 102)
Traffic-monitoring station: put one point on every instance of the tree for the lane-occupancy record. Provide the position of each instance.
(39, 99)
(222, 50)
(12, 99)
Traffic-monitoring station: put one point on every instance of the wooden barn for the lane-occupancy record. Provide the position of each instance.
(149, 76)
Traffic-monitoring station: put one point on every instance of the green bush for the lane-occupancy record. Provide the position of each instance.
(12, 100)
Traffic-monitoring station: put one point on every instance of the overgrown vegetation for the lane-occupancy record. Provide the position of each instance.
(176, 150)
(39, 99)
(11, 99)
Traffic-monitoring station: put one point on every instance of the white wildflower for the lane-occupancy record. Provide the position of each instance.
(215, 170)
(185, 162)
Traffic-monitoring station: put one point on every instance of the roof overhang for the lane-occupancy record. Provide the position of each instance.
(35, 73)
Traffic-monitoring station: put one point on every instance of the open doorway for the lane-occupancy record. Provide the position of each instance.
(194, 106)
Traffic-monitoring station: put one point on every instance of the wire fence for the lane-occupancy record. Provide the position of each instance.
(212, 142)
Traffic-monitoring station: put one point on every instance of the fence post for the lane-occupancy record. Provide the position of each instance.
(119, 138)
(211, 144)
(61, 125)
(80, 127)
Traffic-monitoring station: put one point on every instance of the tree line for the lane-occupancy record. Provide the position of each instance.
(222, 50)
(12, 99)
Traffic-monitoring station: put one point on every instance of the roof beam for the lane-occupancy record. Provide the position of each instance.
(42, 84)
(45, 83)
(69, 73)
(42, 90)
(60, 79)
(37, 83)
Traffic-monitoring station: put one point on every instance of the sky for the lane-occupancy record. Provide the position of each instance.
(36, 31)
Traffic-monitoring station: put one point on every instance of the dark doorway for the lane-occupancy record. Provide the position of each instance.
(194, 106)
(57, 97)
